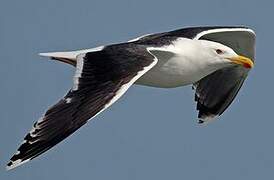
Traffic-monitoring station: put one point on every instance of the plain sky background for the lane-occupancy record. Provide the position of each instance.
(150, 133)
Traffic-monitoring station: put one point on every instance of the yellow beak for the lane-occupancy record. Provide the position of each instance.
(244, 61)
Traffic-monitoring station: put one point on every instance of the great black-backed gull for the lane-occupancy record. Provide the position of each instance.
(216, 60)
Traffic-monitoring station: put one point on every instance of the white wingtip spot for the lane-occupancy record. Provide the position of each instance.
(68, 100)
(207, 119)
(17, 152)
(40, 120)
(32, 131)
(14, 164)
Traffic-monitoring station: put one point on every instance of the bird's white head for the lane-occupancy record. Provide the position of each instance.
(224, 55)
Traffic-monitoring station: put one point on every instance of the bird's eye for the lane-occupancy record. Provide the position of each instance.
(219, 51)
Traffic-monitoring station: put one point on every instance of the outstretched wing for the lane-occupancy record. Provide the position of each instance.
(215, 92)
(101, 78)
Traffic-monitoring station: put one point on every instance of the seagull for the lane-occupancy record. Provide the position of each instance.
(215, 60)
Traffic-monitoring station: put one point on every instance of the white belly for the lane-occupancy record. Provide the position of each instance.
(173, 72)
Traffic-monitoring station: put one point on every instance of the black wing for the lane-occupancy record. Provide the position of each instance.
(165, 38)
(216, 92)
(101, 78)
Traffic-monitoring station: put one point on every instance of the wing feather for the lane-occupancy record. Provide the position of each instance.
(216, 92)
(101, 78)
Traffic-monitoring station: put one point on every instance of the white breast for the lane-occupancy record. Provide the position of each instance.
(181, 63)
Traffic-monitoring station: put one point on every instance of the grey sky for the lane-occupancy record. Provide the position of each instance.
(150, 133)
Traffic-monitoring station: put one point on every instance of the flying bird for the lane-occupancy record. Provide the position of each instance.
(215, 60)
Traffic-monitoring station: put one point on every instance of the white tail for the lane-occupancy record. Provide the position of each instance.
(69, 57)
(66, 55)
(70, 54)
